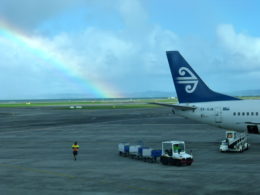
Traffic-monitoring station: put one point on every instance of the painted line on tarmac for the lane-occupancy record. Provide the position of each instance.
(19, 167)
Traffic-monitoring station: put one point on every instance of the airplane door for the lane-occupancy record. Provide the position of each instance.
(218, 115)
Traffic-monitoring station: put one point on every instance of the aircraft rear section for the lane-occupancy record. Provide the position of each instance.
(190, 88)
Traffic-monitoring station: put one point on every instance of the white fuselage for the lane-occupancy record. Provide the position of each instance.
(235, 114)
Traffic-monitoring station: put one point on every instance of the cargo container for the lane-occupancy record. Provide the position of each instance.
(123, 149)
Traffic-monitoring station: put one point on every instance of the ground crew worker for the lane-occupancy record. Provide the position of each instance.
(176, 148)
(75, 149)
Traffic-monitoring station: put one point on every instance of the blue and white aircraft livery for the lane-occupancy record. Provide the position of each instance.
(200, 103)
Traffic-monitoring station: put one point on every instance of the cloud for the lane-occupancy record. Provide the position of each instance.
(243, 49)
(99, 53)
(130, 57)
(135, 17)
(27, 14)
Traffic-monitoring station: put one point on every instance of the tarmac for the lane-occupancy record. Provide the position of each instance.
(36, 155)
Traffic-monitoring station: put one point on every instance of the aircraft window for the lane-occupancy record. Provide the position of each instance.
(247, 113)
(256, 113)
(211, 109)
(238, 113)
(252, 113)
(243, 113)
(234, 113)
(226, 108)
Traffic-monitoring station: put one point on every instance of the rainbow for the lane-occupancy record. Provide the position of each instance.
(66, 68)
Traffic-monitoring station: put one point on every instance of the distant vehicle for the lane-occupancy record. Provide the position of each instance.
(172, 153)
(200, 103)
(234, 142)
(75, 107)
(123, 149)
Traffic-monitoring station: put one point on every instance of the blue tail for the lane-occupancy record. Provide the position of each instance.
(189, 86)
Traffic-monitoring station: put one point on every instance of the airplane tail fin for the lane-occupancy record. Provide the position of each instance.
(189, 86)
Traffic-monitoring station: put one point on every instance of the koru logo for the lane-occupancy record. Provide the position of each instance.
(187, 78)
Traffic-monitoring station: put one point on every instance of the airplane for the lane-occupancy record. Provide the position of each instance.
(198, 102)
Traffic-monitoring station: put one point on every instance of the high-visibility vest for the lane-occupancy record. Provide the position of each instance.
(75, 147)
(176, 148)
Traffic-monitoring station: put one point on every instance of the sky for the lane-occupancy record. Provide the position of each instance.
(116, 48)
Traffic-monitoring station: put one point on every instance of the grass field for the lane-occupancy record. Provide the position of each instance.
(250, 97)
(90, 104)
(97, 104)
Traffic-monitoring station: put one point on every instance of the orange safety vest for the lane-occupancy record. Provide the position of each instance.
(75, 147)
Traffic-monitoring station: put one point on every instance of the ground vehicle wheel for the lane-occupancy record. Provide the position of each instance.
(164, 160)
(178, 163)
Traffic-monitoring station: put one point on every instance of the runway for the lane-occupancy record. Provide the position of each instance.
(36, 155)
